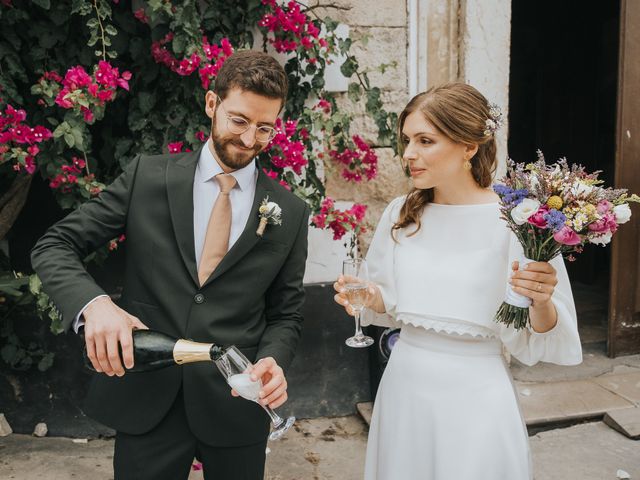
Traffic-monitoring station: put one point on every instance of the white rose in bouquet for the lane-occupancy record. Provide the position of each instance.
(524, 210)
(622, 213)
(601, 239)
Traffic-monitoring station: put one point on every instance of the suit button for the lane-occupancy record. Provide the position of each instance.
(199, 298)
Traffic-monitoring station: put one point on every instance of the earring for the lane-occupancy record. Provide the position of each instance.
(467, 165)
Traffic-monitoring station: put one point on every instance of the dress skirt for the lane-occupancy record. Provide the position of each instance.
(446, 409)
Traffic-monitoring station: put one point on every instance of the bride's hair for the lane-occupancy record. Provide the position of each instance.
(461, 113)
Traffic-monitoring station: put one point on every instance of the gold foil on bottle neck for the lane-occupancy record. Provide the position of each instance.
(186, 351)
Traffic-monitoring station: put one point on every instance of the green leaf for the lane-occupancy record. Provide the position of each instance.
(354, 92)
(147, 101)
(60, 130)
(83, 102)
(373, 99)
(35, 284)
(349, 67)
(317, 82)
(65, 202)
(77, 137)
(68, 137)
(46, 362)
(9, 353)
(111, 30)
(46, 4)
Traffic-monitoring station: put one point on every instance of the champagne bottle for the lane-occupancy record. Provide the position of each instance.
(153, 350)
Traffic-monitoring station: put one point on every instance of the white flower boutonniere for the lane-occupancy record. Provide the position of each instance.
(270, 213)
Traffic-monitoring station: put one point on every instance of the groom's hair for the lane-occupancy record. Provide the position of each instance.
(254, 72)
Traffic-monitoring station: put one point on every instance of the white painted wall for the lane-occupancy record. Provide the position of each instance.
(485, 57)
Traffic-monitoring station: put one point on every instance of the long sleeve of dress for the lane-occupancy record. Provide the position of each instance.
(560, 345)
(380, 261)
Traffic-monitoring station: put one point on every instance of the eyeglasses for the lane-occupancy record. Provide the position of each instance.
(239, 125)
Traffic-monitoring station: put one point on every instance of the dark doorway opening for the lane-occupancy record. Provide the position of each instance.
(562, 100)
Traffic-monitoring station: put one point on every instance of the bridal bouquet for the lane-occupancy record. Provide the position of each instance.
(553, 210)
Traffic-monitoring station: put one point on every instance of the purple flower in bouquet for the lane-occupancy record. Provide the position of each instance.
(555, 210)
(555, 219)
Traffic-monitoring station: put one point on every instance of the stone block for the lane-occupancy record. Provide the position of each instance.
(625, 421)
(385, 13)
(362, 123)
(383, 45)
(5, 428)
(562, 401)
(626, 385)
(365, 409)
(40, 430)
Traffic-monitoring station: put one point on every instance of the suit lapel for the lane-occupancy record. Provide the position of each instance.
(180, 175)
(248, 238)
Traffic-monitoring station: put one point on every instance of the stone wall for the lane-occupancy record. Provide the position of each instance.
(466, 40)
(385, 27)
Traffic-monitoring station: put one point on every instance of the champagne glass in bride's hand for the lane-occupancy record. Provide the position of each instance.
(356, 289)
(235, 368)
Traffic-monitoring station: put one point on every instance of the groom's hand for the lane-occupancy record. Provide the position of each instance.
(274, 385)
(107, 326)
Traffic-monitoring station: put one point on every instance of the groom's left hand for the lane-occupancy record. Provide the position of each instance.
(274, 384)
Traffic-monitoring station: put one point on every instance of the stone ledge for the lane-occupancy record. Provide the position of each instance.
(568, 401)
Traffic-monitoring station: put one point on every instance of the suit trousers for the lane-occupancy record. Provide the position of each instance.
(167, 452)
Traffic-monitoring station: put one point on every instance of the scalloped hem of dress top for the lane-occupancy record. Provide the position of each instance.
(449, 327)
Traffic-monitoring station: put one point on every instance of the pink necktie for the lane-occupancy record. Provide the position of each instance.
(216, 241)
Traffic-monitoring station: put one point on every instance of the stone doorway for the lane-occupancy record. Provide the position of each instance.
(562, 100)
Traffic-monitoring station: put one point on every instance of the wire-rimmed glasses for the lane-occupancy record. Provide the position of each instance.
(239, 125)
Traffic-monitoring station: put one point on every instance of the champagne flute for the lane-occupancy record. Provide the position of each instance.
(235, 367)
(355, 276)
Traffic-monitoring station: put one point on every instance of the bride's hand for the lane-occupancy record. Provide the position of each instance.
(341, 296)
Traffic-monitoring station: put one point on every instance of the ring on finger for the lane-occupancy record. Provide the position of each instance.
(539, 287)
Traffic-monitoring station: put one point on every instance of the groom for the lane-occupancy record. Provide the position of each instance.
(195, 268)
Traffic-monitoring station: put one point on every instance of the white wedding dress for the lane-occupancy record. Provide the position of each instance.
(446, 408)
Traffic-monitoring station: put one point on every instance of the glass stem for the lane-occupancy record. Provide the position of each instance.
(358, 328)
(275, 418)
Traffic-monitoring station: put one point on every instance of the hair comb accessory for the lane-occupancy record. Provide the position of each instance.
(494, 122)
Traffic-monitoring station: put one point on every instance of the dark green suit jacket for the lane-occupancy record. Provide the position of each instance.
(253, 299)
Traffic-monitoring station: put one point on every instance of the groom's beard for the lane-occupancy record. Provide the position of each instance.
(229, 156)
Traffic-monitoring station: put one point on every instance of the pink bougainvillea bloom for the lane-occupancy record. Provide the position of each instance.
(324, 105)
(41, 133)
(175, 147)
(141, 15)
(87, 114)
(61, 100)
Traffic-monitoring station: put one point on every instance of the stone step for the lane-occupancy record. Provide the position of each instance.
(568, 401)
(626, 421)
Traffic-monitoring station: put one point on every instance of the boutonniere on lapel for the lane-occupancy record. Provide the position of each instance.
(270, 213)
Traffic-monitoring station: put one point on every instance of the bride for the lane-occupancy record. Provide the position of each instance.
(439, 264)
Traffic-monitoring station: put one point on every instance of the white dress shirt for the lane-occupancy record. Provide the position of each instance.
(205, 193)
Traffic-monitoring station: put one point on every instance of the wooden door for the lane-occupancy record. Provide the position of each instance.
(624, 304)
